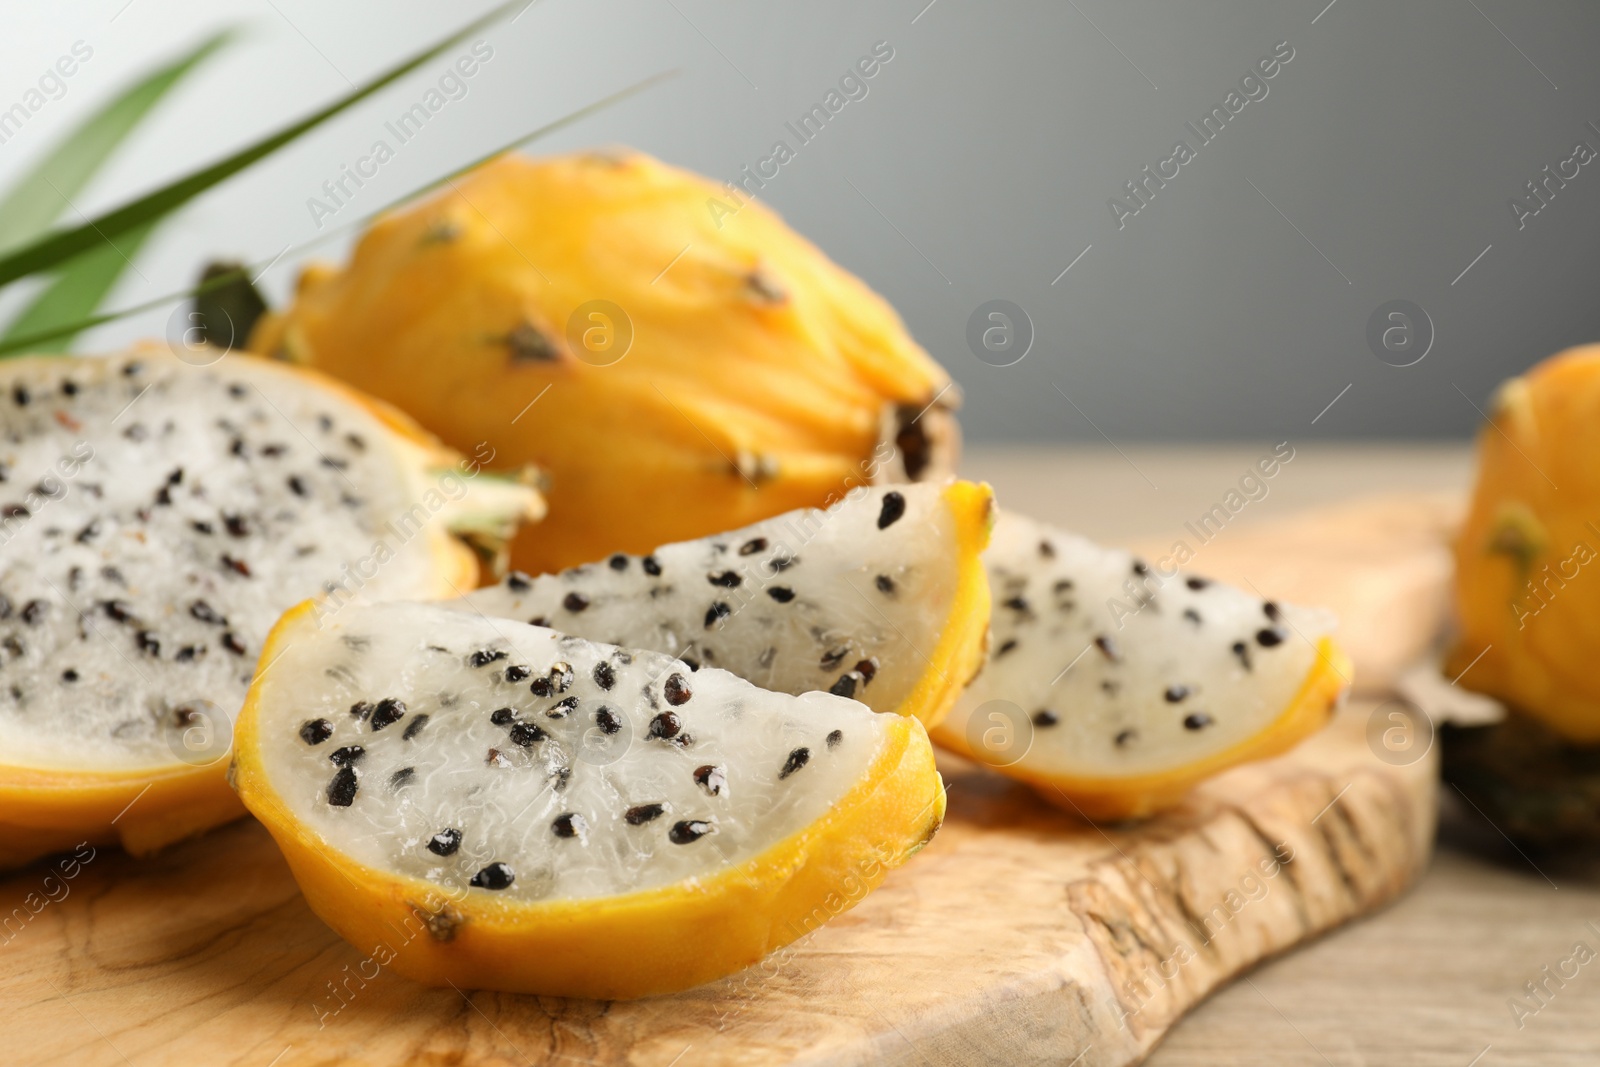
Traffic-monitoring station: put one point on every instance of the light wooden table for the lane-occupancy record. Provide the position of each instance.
(1428, 982)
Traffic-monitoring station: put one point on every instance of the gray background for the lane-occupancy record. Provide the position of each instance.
(978, 166)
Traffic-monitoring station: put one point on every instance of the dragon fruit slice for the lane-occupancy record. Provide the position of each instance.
(157, 518)
(881, 598)
(501, 806)
(1113, 689)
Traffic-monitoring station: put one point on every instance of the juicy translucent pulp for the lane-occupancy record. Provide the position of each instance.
(572, 768)
(850, 600)
(1118, 679)
(159, 518)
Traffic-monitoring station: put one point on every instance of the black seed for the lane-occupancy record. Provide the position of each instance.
(414, 727)
(1197, 583)
(1140, 567)
(574, 602)
(690, 662)
(1275, 635)
(1008, 645)
(665, 725)
(1176, 693)
(206, 613)
(445, 842)
(342, 790)
(495, 876)
(643, 813)
(727, 580)
(132, 369)
(884, 583)
(1108, 648)
(518, 582)
(233, 644)
(69, 675)
(296, 486)
(846, 685)
(273, 451)
(149, 644)
(402, 777)
(557, 680)
(344, 757)
(689, 830)
(238, 566)
(515, 673)
(561, 709)
(19, 393)
(1125, 736)
(1242, 650)
(33, 611)
(797, 759)
(1016, 603)
(14, 511)
(236, 525)
(752, 546)
(676, 690)
(716, 611)
(502, 716)
(187, 653)
(388, 712)
(608, 721)
(1192, 615)
(361, 711)
(116, 610)
(1045, 717)
(894, 506)
(834, 738)
(484, 657)
(781, 563)
(710, 778)
(1272, 611)
(1113, 688)
(651, 567)
(604, 676)
(833, 657)
(90, 531)
(202, 527)
(1047, 550)
(570, 824)
(316, 731)
(1198, 720)
(781, 594)
(539, 620)
(1063, 585)
(69, 387)
(867, 668)
(526, 734)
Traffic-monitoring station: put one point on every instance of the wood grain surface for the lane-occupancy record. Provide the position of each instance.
(1019, 936)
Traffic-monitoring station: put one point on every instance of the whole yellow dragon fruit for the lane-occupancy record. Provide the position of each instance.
(675, 358)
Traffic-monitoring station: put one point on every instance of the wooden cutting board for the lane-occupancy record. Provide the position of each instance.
(1019, 936)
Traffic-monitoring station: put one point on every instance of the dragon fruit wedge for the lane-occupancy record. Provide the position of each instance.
(881, 598)
(1113, 688)
(497, 805)
(157, 517)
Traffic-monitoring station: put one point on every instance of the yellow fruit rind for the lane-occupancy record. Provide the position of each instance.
(645, 943)
(963, 644)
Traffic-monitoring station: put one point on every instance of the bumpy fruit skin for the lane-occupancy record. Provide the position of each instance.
(646, 943)
(1528, 555)
(760, 376)
(47, 810)
(1112, 799)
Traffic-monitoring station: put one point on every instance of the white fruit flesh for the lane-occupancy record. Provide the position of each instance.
(1119, 671)
(850, 600)
(159, 518)
(604, 771)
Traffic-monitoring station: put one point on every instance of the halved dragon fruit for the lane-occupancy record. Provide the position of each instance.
(503, 806)
(881, 598)
(1114, 688)
(157, 517)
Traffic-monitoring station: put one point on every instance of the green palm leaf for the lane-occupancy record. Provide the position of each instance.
(38, 199)
(58, 246)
